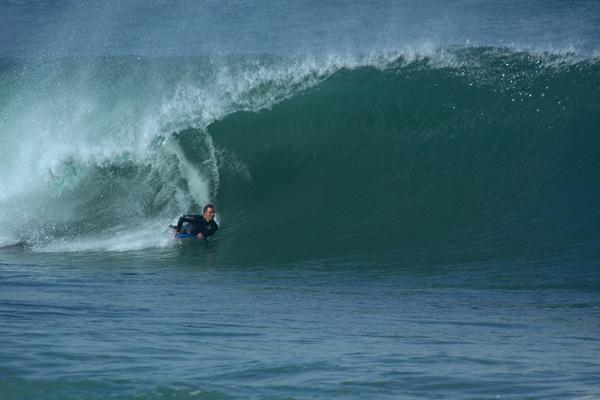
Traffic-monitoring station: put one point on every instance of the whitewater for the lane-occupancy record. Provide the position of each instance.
(407, 197)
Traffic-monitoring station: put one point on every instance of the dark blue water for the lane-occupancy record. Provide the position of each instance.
(408, 199)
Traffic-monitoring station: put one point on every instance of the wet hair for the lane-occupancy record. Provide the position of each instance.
(206, 207)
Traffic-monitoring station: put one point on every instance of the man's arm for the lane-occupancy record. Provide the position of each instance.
(185, 218)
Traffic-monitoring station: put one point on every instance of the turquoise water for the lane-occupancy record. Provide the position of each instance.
(408, 200)
(175, 326)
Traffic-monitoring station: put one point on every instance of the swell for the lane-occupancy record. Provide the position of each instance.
(495, 159)
(461, 154)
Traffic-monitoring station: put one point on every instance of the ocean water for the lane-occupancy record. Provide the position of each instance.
(408, 197)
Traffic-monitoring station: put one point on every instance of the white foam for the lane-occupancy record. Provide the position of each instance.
(154, 235)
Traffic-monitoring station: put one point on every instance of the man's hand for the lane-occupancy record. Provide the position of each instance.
(200, 236)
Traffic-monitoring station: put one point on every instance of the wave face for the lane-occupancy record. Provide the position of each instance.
(494, 157)
(460, 154)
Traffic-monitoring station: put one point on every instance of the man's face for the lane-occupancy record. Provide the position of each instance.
(209, 214)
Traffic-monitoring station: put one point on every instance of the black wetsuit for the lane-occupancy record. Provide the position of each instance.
(197, 224)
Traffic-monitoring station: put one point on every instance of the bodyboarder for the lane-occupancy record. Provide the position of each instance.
(201, 226)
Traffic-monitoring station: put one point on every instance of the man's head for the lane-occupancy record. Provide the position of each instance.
(208, 212)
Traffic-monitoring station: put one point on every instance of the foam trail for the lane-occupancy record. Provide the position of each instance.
(151, 235)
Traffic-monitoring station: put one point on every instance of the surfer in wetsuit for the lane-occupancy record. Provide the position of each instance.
(202, 226)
